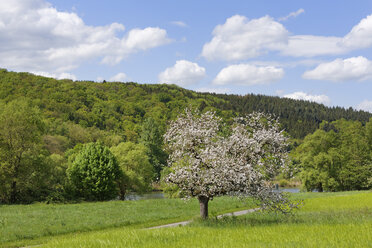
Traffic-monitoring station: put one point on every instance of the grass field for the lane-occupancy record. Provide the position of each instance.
(19, 224)
(327, 220)
(341, 219)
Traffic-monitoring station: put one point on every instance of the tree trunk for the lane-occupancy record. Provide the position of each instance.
(122, 190)
(13, 192)
(203, 202)
(320, 187)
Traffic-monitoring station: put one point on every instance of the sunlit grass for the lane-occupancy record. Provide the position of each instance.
(285, 235)
(327, 220)
(21, 222)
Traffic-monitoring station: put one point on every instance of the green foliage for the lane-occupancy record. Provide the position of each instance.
(22, 165)
(169, 190)
(100, 110)
(283, 183)
(151, 137)
(80, 112)
(336, 157)
(135, 164)
(94, 173)
(297, 117)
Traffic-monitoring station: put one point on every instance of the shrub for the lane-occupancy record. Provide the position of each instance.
(283, 183)
(94, 173)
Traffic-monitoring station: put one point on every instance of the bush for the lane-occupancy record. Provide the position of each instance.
(94, 173)
(283, 183)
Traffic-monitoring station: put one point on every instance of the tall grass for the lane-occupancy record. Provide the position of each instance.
(326, 220)
(20, 222)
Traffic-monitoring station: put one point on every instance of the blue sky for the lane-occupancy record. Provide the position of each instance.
(314, 50)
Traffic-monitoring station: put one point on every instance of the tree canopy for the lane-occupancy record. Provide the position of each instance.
(205, 163)
(21, 129)
(338, 156)
(94, 173)
(53, 119)
(135, 165)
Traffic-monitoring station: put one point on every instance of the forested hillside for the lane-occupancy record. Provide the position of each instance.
(54, 134)
(120, 108)
(298, 117)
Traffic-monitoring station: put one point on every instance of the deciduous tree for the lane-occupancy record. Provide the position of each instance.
(21, 128)
(135, 165)
(337, 156)
(151, 137)
(206, 164)
(95, 172)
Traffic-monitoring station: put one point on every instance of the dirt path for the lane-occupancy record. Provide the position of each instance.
(184, 223)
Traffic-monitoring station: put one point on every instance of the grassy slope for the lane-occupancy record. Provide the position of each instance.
(22, 222)
(327, 220)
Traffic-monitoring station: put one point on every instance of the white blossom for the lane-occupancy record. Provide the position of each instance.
(206, 163)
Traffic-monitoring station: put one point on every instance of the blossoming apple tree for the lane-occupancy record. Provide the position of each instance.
(206, 162)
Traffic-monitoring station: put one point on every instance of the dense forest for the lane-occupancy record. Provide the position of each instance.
(49, 126)
(120, 108)
(336, 157)
(298, 118)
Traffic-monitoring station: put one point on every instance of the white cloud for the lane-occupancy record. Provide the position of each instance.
(359, 37)
(299, 95)
(63, 75)
(246, 74)
(240, 38)
(310, 46)
(34, 36)
(183, 73)
(287, 64)
(120, 77)
(180, 24)
(292, 14)
(365, 105)
(351, 69)
(213, 90)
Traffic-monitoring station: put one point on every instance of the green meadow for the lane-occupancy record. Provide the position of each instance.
(342, 219)
(22, 224)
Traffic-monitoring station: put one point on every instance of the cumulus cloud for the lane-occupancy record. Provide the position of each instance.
(310, 46)
(292, 14)
(63, 75)
(246, 74)
(359, 37)
(365, 105)
(239, 38)
(299, 95)
(35, 36)
(183, 73)
(120, 77)
(351, 69)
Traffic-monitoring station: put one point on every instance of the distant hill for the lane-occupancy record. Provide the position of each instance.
(83, 111)
(298, 117)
